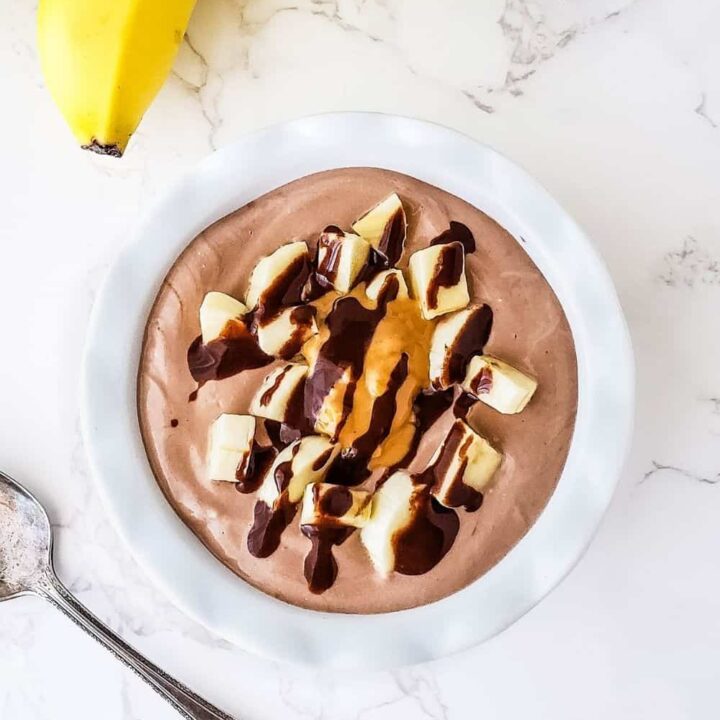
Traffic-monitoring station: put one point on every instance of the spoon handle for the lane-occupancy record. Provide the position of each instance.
(186, 702)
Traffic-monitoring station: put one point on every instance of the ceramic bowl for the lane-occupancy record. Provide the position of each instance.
(177, 561)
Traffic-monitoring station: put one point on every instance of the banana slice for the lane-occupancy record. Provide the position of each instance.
(499, 385)
(301, 463)
(335, 506)
(216, 311)
(392, 510)
(284, 335)
(341, 257)
(376, 285)
(280, 392)
(437, 278)
(462, 467)
(385, 228)
(455, 340)
(277, 275)
(230, 447)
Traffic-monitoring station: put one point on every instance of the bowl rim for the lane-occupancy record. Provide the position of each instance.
(175, 558)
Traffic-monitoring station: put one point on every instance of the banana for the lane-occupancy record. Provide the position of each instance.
(216, 311)
(393, 508)
(335, 506)
(437, 279)
(230, 447)
(464, 460)
(499, 385)
(105, 60)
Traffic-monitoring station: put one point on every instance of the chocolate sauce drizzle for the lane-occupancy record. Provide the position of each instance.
(324, 272)
(335, 502)
(389, 249)
(320, 567)
(302, 318)
(225, 356)
(283, 472)
(374, 265)
(470, 341)
(261, 458)
(428, 406)
(428, 538)
(351, 326)
(383, 411)
(448, 271)
(296, 423)
(460, 494)
(482, 383)
(280, 434)
(434, 527)
(392, 241)
(463, 404)
(285, 290)
(322, 459)
(270, 523)
(457, 232)
(266, 397)
(268, 527)
(350, 466)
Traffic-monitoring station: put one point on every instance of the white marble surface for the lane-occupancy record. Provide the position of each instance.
(614, 105)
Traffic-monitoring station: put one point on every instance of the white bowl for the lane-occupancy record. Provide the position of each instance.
(178, 562)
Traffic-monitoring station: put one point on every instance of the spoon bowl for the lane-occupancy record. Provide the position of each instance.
(25, 541)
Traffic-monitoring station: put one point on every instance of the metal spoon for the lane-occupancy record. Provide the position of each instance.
(26, 569)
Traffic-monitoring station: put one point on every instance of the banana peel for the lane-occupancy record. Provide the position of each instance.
(104, 61)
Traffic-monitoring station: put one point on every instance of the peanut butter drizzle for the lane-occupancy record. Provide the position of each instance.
(342, 355)
(402, 331)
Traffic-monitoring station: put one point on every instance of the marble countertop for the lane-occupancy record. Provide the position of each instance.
(614, 105)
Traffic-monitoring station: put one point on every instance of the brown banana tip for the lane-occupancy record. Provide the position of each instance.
(96, 147)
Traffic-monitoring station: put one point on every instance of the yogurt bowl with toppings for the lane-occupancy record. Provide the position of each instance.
(371, 393)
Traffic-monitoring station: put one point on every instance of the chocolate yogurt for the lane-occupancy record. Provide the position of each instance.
(184, 384)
